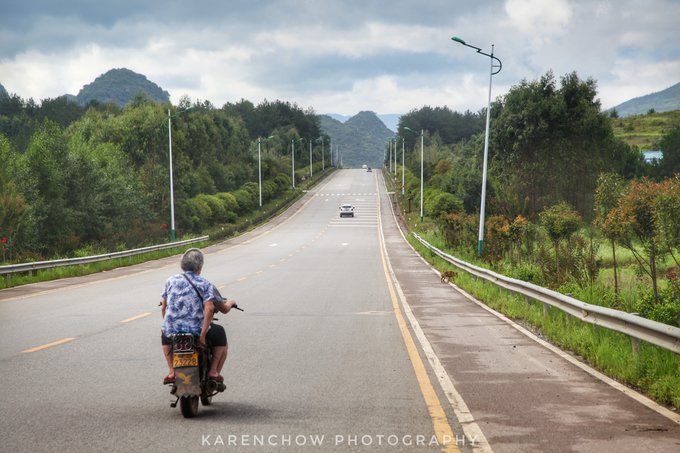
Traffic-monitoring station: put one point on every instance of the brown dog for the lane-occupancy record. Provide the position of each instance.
(447, 275)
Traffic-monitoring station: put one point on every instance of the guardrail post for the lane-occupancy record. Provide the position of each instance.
(546, 309)
(635, 345)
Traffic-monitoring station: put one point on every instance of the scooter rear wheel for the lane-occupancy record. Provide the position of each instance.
(189, 406)
(206, 400)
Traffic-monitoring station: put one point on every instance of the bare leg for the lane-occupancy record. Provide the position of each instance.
(219, 354)
(167, 352)
(222, 359)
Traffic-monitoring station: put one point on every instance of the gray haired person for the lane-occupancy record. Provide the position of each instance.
(188, 303)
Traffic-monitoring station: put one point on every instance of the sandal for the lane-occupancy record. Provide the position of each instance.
(168, 380)
(217, 378)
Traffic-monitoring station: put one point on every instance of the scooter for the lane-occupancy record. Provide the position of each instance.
(191, 364)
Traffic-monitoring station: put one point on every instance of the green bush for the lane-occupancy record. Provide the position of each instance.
(217, 208)
(283, 182)
(438, 203)
(230, 203)
(245, 199)
(269, 190)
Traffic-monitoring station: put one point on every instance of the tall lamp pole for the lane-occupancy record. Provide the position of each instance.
(402, 167)
(498, 66)
(323, 158)
(311, 170)
(395, 156)
(259, 164)
(422, 143)
(172, 190)
(292, 155)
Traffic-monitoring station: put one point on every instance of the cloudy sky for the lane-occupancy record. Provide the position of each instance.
(339, 56)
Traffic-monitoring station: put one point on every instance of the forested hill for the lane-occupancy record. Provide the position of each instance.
(661, 101)
(3, 92)
(361, 139)
(120, 86)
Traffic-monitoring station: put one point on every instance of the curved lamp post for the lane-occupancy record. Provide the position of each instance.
(172, 190)
(498, 66)
(402, 166)
(259, 164)
(422, 135)
(293, 158)
(323, 158)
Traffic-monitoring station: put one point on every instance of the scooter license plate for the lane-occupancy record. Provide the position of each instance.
(180, 360)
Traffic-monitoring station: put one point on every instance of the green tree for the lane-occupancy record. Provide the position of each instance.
(560, 222)
(634, 221)
(42, 181)
(670, 147)
(549, 143)
(12, 203)
(610, 187)
(668, 214)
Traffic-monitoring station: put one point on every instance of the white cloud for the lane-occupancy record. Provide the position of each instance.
(394, 57)
(539, 17)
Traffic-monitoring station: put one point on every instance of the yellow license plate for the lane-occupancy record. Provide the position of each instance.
(180, 360)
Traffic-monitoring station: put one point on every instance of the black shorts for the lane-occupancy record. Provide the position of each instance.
(216, 336)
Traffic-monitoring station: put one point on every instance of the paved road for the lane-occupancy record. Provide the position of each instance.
(323, 358)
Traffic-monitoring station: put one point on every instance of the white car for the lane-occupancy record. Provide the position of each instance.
(347, 210)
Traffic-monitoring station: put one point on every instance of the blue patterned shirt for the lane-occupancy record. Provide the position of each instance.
(184, 309)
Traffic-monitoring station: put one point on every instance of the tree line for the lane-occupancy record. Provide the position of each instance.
(98, 175)
(559, 183)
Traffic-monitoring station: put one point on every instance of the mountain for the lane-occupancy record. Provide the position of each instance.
(661, 101)
(3, 92)
(120, 86)
(361, 139)
(391, 120)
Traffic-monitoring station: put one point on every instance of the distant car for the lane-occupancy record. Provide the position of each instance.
(347, 210)
(369, 169)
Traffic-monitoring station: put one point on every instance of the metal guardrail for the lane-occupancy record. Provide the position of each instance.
(636, 327)
(28, 267)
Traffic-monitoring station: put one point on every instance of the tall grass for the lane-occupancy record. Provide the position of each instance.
(653, 370)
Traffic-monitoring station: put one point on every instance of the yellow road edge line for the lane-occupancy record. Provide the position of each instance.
(440, 422)
(134, 318)
(49, 345)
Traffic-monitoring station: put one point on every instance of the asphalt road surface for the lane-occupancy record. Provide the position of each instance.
(349, 342)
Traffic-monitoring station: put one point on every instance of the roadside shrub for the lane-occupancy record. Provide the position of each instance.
(459, 229)
(283, 182)
(496, 238)
(439, 203)
(217, 208)
(667, 309)
(527, 272)
(269, 190)
(245, 199)
(230, 203)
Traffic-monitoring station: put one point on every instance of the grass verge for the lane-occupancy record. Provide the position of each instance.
(653, 370)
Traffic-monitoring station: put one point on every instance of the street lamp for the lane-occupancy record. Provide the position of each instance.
(293, 159)
(395, 156)
(499, 66)
(172, 190)
(389, 158)
(402, 166)
(422, 135)
(323, 158)
(259, 165)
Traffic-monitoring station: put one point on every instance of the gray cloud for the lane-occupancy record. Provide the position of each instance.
(339, 55)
